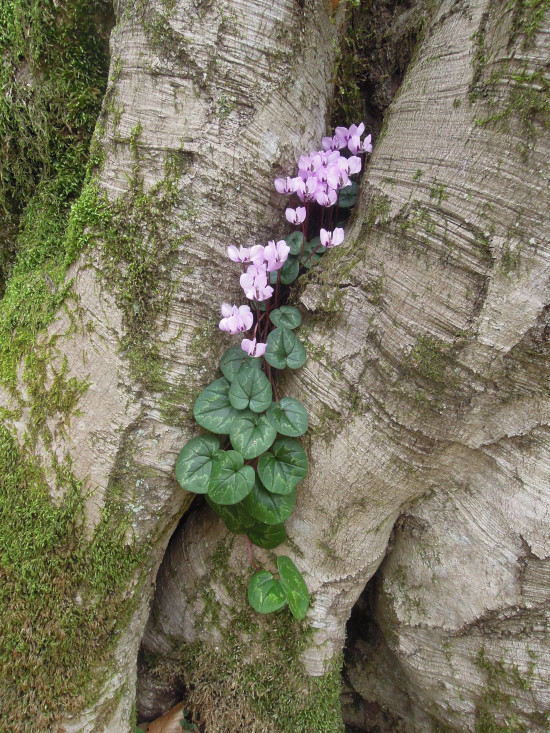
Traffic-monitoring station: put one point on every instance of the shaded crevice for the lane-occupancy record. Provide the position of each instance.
(380, 43)
(365, 651)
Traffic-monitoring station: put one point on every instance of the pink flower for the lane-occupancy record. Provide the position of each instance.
(254, 283)
(338, 176)
(276, 254)
(296, 216)
(356, 146)
(252, 348)
(285, 185)
(327, 198)
(246, 254)
(311, 184)
(238, 255)
(236, 319)
(354, 165)
(345, 134)
(331, 239)
(332, 143)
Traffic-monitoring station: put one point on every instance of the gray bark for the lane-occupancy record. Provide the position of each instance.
(229, 93)
(427, 385)
(427, 333)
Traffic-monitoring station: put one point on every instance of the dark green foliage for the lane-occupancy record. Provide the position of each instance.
(53, 76)
(284, 349)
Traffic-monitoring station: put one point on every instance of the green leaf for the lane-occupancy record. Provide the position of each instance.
(251, 388)
(284, 348)
(194, 463)
(230, 481)
(252, 434)
(295, 242)
(265, 594)
(308, 260)
(288, 417)
(315, 246)
(283, 467)
(294, 586)
(267, 536)
(286, 317)
(348, 196)
(213, 410)
(235, 516)
(289, 271)
(233, 361)
(266, 507)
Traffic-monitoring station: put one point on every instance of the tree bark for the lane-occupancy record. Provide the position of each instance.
(427, 385)
(206, 104)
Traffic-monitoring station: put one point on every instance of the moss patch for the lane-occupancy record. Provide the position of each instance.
(374, 56)
(495, 711)
(60, 594)
(54, 72)
(53, 76)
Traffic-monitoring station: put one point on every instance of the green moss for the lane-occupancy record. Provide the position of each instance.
(60, 593)
(56, 399)
(527, 18)
(510, 260)
(437, 192)
(135, 134)
(55, 70)
(53, 73)
(429, 360)
(526, 102)
(373, 58)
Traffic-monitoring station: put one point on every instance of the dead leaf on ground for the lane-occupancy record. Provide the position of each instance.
(169, 722)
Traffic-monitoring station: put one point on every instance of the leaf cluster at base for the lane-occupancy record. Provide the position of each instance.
(250, 481)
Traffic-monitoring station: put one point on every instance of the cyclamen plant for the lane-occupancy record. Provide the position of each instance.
(249, 475)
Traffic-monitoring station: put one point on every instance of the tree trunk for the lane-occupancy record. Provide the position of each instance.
(206, 104)
(427, 387)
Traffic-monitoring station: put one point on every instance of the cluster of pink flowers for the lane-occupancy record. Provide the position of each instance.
(321, 177)
(254, 281)
(322, 174)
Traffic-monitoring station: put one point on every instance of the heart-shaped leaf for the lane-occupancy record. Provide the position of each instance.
(286, 317)
(315, 246)
(267, 536)
(308, 260)
(213, 410)
(250, 388)
(288, 417)
(266, 507)
(289, 271)
(295, 242)
(194, 463)
(252, 434)
(230, 481)
(283, 467)
(348, 196)
(294, 586)
(235, 516)
(265, 594)
(284, 349)
(233, 361)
